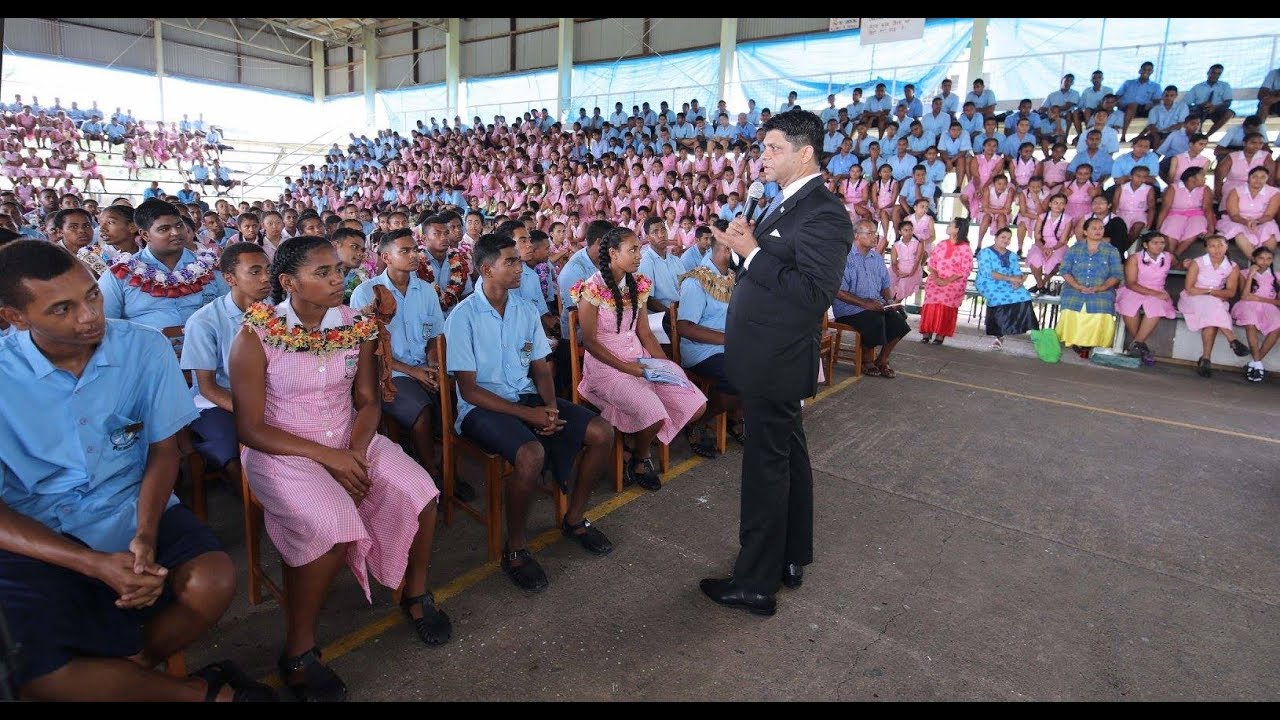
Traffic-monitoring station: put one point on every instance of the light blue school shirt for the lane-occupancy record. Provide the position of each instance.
(915, 108)
(83, 479)
(692, 258)
(619, 119)
(1014, 141)
(497, 348)
(200, 173)
(114, 130)
(1176, 143)
(935, 171)
(729, 212)
(1143, 93)
(970, 125)
(786, 107)
(682, 132)
(1123, 166)
(1050, 128)
(831, 141)
(1091, 99)
(829, 113)
(862, 147)
(1218, 93)
(902, 166)
(871, 169)
(207, 339)
(1110, 139)
(1061, 99)
(980, 101)
(91, 127)
(186, 196)
(950, 103)
(854, 110)
(1011, 122)
(1101, 163)
(1271, 82)
(125, 302)
(745, 132)
(663, 272)
(840, 163)
(578, 267)
(699, 308)
(954, 146)
(1165, 118)
(418, 319)
(438, 267)
(917, 145)
(753, 117)
(530, 290)
(874, 104)
(935, 126)
(152, 193)
(908, 191)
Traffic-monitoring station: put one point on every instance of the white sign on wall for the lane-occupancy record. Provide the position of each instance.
(838, 24)
(878, 30)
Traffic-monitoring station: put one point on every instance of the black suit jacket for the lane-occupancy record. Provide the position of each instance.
(775, 314)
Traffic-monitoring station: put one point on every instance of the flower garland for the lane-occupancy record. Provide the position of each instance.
(718, 287)
(459, 270)
(546, 279)
(597, 292)
(159, 282)
(276, 332)
(99, 257)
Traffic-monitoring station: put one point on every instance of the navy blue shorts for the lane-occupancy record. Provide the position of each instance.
(57, 614)
(713, 369)
(503, 434)
(411, 399)
(213, 435)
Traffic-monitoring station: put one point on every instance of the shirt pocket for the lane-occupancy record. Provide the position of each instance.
(123, 448)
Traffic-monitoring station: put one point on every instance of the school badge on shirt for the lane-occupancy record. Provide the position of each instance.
(525, 352)
(125, 437)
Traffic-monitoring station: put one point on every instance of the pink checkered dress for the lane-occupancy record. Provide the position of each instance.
(307, 511)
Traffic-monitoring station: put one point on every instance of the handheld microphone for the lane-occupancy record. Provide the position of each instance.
(754, 193)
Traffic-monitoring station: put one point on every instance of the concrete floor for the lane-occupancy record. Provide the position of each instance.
(970, 544)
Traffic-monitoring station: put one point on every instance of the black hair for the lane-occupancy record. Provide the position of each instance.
(121, 213)
(246, 216)
(1190, 173)
(7, 236)
(289, 257)
(962, 229)
(653, 220)
(1146, 238)
(597, 229)
(388, 238)
(60, 217)
(489, 247)
(538, 236)
(1057, 227)
(448, 216)
(231, 256)
(1253, 281)
(612, 240)
(22, 260)
(146, 214)
(800, 128)
(508, 228)
(346, 232)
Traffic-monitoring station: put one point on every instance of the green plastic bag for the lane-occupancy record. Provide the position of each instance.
(1047, 345)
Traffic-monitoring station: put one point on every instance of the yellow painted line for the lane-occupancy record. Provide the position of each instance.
(1090, 408)
(472, 577)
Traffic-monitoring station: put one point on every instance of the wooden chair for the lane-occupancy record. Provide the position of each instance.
(827, 348)
(576, 353)
(193, 464)
(496, 468)
(705, 384)
(258, 577)
(840, 353)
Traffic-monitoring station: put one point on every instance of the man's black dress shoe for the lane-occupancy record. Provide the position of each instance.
(730, 595)
(792, 575)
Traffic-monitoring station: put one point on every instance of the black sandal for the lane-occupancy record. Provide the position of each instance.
(700, 444)
(216, 675)
(738, 431)
(528, 575)
(590, 538)
(434, 627)
(319, 682)
(649, 479)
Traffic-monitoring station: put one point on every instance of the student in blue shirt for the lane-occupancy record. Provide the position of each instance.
(730, 206)
(955, 149)
(916, 187)
(103, 574)
(877, 108)
(971, 121)
(936, 121)
(830, 112)
(914, 107)
(838, 165)
(1137, 97)
(206, 351)
(1166, 117)
(1140, 155)
(186, 195)
(934, 169)
(1109, 139)
(902, 161)
(832, 138)
(856, 107)
(660, 265)
(1094, 156)
(950, 100)
(1068, 102)
(983, 99)
(530, 289)
(1211, 100)
(164, 256)
(417, 322)
(918, 140)
(696, 253)
(790, 103)
(506, 403)
(753, 115)
(704, 305)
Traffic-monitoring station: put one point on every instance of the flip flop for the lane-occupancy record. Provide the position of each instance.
(888, 372)
(872, 371)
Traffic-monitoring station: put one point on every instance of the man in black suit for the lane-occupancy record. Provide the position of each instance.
(792, 260)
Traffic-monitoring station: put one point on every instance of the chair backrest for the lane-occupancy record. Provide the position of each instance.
(576, 351)
(673, 314)
(176, 335)
(446, 384)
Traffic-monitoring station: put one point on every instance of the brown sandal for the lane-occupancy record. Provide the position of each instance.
(872, 371)
(888, 372)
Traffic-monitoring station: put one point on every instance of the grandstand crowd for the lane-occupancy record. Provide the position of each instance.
(551, 293)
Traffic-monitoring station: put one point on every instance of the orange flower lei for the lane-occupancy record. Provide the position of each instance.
(459, 270)
(597, 293)
(297, 339)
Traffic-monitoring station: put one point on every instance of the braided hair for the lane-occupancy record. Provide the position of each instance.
(289, 257)
(1253, 281)
(612, 240)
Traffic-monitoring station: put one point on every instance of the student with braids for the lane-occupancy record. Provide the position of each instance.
(307, 406)
(1258, 310)
(497, 351)
(613, 379)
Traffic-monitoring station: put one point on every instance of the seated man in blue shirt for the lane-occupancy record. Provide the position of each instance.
(159, 288)
(1137, 97)
(581, 265)
(662, 266)
(497, 352)
(530, 288)
(206, 351)
(103, 574)
(417, 322)
(704, 305)
(863, 296)
(1211, 100)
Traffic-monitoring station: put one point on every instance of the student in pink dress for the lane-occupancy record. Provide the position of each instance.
(334, 492)
(615, 331)
(1031, 205)
(1258, 310)
(1136, 203)
(997, 207)
(1233, 170)
(1186, 212)
(1054, 169)
(982, 168)
(1024, 167)
(1249, 213)
(884, 198)
(853, 190)
(1144, 291)
(906, 261)
(1212, 281)
(1052, 231)
(1193, 157)
(1080, 193)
